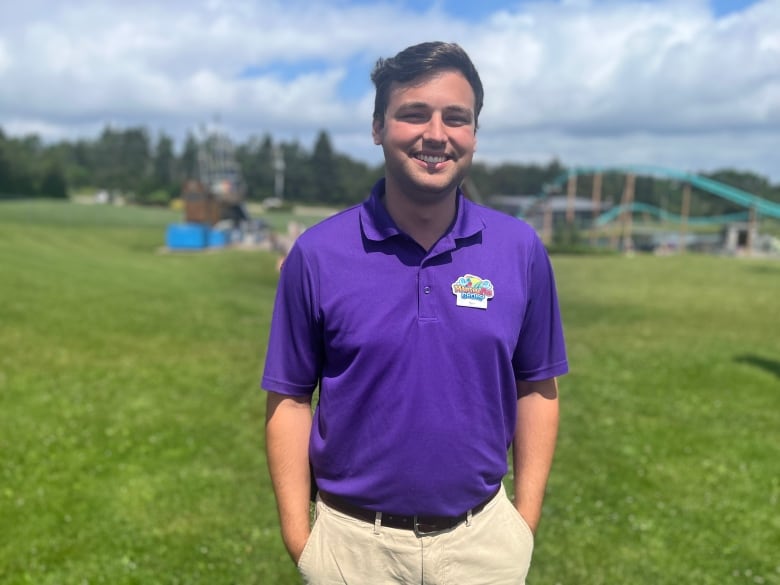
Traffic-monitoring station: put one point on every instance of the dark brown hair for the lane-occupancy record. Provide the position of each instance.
(419, 60)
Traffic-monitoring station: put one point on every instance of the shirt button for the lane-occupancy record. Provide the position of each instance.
(427, 290)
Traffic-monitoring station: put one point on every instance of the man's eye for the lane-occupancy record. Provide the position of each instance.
(413, 116)
(457, 121)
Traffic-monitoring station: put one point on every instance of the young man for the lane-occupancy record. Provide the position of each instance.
(431, 326)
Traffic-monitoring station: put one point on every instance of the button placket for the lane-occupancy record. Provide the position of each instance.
(425, 296)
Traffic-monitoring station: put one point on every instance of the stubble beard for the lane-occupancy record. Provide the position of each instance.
(419, 189)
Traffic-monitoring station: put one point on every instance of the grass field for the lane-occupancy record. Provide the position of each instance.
(131, 424)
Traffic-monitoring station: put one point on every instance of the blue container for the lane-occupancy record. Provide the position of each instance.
(217, 239)
(186, 236)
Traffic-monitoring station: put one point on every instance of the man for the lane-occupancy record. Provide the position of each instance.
(431, 326)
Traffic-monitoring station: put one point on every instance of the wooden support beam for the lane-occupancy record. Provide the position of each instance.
(752, 230)
(547, 225)
(571, 194)
(596, 199)
(627, 215)
(684, 213)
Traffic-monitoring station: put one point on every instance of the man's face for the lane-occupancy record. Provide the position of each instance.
(428, 136)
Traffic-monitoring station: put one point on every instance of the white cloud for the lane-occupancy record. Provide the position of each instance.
(589, 82)
(620, 69)
(5, 58)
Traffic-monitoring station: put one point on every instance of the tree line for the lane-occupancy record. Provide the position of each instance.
(152, 170)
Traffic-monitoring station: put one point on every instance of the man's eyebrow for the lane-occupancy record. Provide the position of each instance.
(459, 110)
(413, 106)
(454, 109)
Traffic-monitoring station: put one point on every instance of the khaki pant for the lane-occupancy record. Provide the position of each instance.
(492, 548)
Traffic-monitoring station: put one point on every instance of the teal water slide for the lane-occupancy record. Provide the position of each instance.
(613, 213)
(748, 200)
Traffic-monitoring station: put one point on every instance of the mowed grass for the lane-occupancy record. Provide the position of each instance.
(131, 424)
(668, 468)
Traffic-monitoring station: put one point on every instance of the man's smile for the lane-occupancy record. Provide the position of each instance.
(431, 159)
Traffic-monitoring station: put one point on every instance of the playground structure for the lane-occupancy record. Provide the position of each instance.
(740, 231)
(215, 211)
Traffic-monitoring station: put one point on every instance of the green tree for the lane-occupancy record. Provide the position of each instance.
(123, 159)
(77, 162)
(256, 161)
(164, 165)
(5, 167)
(54, 183)
(513, 178)
(19, 158)
(357, 178)
(298, 182)
(136, 159)
(328, 188)
(108, 160)
(188, 163)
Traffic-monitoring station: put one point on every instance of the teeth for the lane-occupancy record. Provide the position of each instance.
(431, 159)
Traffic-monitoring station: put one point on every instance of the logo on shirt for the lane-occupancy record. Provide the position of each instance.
(472, 291)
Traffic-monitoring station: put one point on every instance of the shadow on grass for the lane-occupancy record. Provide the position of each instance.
(771, 366)
(765, 269)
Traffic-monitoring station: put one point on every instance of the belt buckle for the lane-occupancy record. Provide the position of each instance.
(419, 530)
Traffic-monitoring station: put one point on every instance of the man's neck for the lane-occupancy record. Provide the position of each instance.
(424, 223)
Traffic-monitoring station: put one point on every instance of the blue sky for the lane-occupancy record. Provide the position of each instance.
(356, 79)
(479, 10)
(724, 7)
(690, 84)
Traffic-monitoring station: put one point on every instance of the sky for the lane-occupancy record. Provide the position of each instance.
(693, 85)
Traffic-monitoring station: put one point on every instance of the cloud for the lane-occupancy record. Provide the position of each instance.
(633, 83)
(5, 58)
(588, 82)
(625, 68)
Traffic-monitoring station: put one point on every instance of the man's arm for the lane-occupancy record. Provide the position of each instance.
(288, 426)
(534, 445)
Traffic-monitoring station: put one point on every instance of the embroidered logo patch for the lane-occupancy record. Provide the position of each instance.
(472, 291)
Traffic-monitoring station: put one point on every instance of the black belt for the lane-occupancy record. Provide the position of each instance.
(420, 524)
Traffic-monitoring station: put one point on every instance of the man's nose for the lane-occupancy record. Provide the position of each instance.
(434, 130)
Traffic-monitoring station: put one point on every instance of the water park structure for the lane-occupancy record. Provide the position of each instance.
(625, 222)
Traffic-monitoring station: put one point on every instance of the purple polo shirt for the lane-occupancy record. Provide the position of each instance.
(416, 353)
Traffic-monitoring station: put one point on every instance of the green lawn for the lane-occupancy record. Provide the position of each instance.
(668, 468)
(131, 424)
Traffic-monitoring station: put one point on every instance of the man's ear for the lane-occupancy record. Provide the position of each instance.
(376, 131)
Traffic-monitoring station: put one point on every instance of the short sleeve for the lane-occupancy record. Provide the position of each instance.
(541, 352)
(294, 356)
